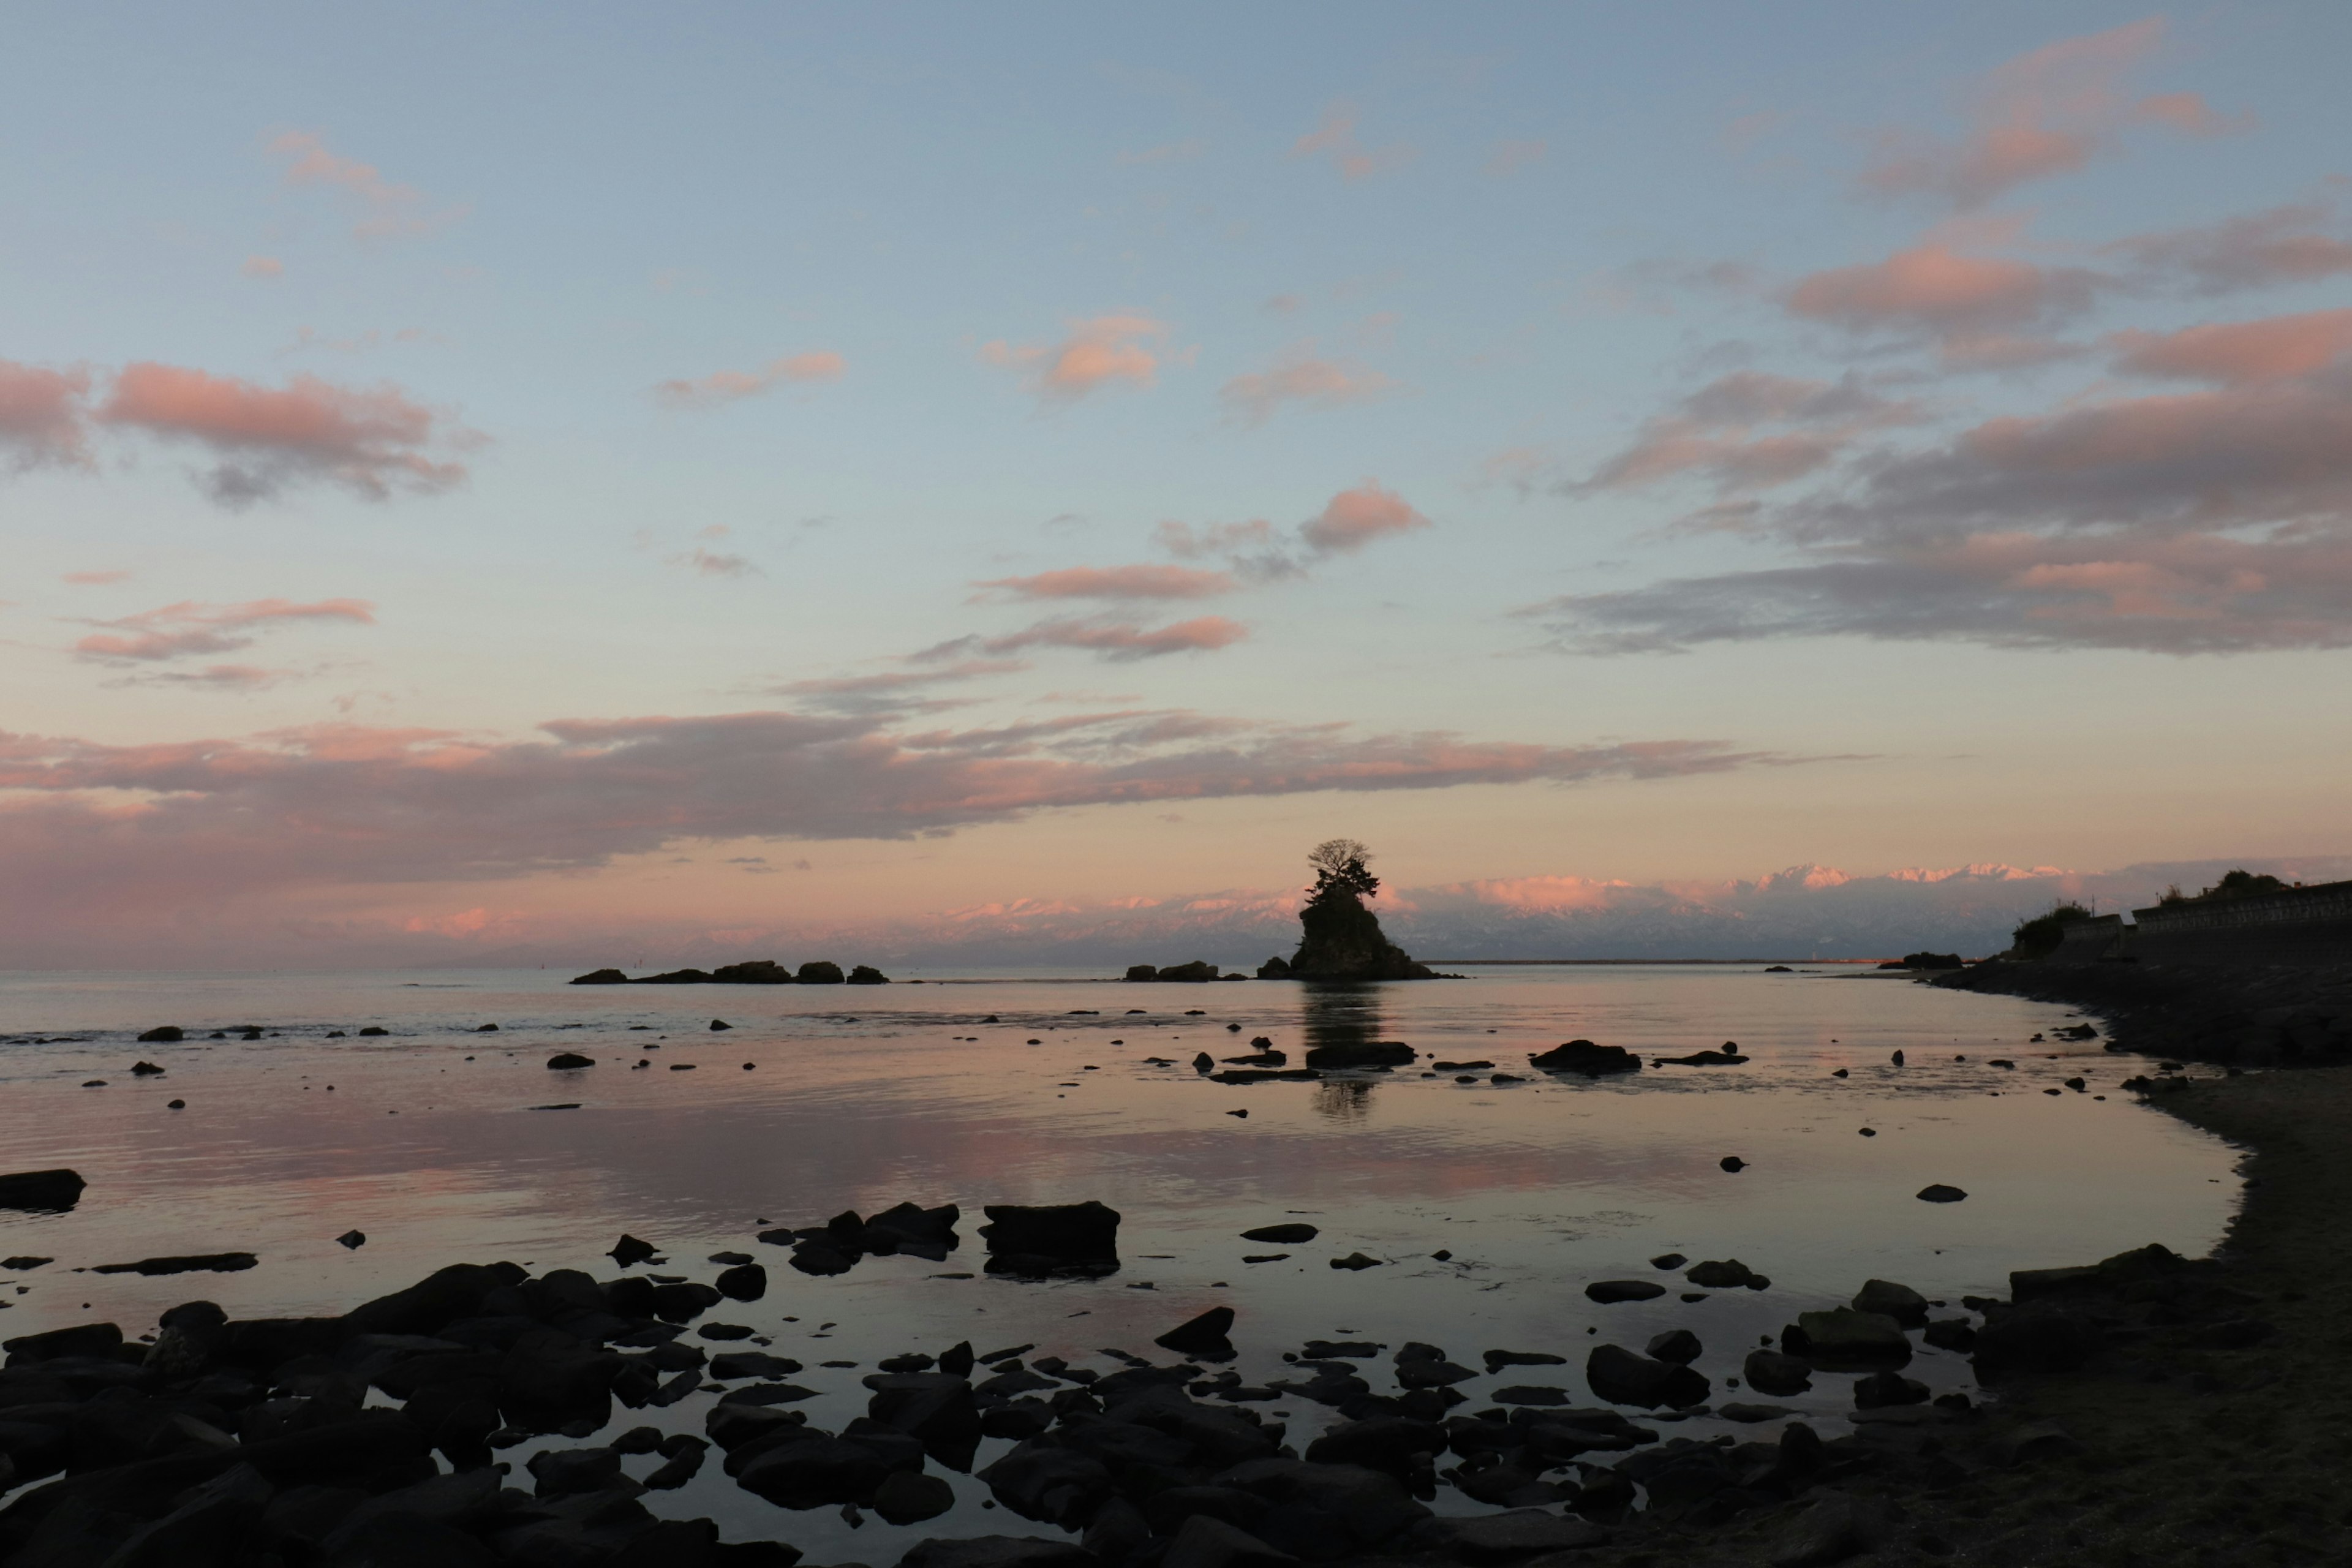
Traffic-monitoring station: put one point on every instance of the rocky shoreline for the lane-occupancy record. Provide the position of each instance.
(2241, 1017)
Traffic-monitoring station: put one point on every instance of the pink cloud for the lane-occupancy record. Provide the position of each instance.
(2254, 250)
(1335, 138)
(2044, 113)
(1353, 518)
(1098, 352)
(389, 208)
(95, 579)
(2217, 521)
(41, 415)
(2241, 352)
(1141, 582)
(110, 832)
(1305, 379)
(268, 268)
(1714, 432)
(369, 442)
(176, 631)
(724, 386)
(715, 563)
(1933, 288)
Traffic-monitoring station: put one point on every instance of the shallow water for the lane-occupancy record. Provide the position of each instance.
(859, 1097)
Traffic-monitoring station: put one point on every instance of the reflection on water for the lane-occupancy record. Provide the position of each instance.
(1342, 1014)
(1336, 1013)
(1344, 1099)
(1529, 1190)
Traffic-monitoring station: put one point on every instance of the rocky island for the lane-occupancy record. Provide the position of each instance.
(1341, 939)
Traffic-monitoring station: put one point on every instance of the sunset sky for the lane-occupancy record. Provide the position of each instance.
(489, 480)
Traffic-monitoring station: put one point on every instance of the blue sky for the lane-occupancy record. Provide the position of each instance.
(1661, 350)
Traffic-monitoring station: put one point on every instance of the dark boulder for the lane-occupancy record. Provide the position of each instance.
(813, 1470)
(561, 1059)
(58, 1190)
(629, 1251)
(1281, 1235)
(1726, 1274)
(1621, 1377)
(1679, 1346)
(1052, 1238)
(819, 972)
(1882, 1390)
(866, 975)
(1204, 1336)
(937, 1409)
(1584, 1057)
(1609, 1292)
(1342, 1055)
(1140, 972)
(1938, 1192)
(1052, 1486)
(601, 977)
(1387, 1443)
(1888, 1300)
(163, 1036)
(1773, 1372)
(1195, 973)
(744, 1282)
(1275, 968)
(1844, 1340)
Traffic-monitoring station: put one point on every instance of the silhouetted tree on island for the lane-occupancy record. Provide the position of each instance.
(1342, 939)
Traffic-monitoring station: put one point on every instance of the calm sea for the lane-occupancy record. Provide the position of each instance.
(1005, 1088)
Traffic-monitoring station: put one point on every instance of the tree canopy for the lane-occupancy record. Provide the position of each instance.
(1340, 871)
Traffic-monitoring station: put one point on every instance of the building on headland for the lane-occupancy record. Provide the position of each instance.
(2303, 927)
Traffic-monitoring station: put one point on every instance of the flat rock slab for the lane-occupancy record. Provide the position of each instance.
(206, 1263)
(1610, 1291)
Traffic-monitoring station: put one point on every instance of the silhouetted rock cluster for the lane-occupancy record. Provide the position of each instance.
(837, 1246)
(753, 971)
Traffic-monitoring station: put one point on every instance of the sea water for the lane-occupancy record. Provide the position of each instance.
(434, 1141)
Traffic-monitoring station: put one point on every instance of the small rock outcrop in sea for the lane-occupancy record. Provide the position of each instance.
(1183, 973)
(1342, 939)
(750, 972)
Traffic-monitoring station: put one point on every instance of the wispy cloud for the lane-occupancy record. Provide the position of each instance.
(2281, 245)
(1115, 641)
(1098, 352)
(388, 209)
(1303, 377)
(725, 386)
(41, 416)
(189, 628)
(2044, 113)
(1751, 429)
(1334, 139)
(1138, 582)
